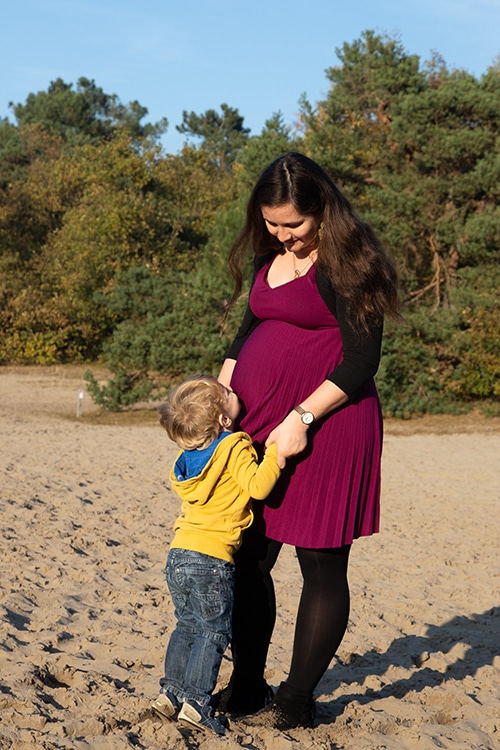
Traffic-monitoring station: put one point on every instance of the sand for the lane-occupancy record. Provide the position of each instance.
(85, 613)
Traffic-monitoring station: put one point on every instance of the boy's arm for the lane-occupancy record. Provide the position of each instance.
(256, 479)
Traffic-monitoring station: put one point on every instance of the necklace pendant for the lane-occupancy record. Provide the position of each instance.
(296, 274)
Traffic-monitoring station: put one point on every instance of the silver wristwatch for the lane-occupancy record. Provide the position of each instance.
(307, 417)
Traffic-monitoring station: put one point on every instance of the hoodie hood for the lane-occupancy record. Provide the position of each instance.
(210, 462)
(190, 463)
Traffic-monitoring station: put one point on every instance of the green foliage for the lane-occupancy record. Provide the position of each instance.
(76, 221)
(223, 135)
(348, 132)
(478, 374)
(112, 251)
(275, 139)
(169, 326)
(475, 340)
(122, 390)
(84, 114)
(412, 369)
(418, 151)
(446, 360)
(481, 231)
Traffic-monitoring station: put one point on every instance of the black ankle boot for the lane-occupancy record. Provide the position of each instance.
(243, 700)
(290, 708)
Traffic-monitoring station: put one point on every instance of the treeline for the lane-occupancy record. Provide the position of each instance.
(113, 252)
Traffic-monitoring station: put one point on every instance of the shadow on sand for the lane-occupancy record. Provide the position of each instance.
(480, 633)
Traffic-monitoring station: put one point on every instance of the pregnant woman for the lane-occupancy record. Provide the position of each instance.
(302, 364)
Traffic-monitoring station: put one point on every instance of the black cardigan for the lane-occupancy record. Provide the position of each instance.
(361, 351)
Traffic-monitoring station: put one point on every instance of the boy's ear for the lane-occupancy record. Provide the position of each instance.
(225, 420)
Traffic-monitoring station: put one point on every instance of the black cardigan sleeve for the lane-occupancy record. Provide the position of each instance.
(361, 354)
(361, 351)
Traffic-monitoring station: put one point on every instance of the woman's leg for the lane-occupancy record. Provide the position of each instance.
(322, 615)
(321, 623)
(254, 616)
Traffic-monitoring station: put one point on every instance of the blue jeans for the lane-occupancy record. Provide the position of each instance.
(202, 590)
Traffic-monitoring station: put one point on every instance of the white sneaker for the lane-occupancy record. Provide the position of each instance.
(195, 716)
(166, 706)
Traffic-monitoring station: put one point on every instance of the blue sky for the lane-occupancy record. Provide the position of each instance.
(258, 56)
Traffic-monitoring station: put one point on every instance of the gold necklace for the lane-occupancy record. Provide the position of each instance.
(298, 272)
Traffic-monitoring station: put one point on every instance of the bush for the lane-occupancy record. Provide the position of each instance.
(122, 390)
(448, 360)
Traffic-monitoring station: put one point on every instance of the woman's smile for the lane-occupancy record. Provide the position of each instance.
(298, 233)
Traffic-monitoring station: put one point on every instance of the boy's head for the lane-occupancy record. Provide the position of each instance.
(197, 410)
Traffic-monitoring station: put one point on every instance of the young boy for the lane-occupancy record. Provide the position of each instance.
(215, 474)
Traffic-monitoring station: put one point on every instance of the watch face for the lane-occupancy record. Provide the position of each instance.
(307, 417)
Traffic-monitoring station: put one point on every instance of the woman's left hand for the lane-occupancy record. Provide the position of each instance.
(290, 436)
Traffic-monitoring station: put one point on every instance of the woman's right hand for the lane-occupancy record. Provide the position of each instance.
(290, 437)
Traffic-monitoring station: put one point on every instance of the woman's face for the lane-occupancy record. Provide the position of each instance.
(298, 233)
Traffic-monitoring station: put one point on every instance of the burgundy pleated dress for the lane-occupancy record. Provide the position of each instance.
(329, 494)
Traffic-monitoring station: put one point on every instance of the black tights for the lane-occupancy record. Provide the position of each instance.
(321, 619)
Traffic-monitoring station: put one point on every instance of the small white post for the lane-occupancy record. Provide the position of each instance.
(79, 405)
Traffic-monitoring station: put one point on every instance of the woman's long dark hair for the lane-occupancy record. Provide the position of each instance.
(349, 252)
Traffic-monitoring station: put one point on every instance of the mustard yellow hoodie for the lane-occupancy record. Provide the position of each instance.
(216, 506)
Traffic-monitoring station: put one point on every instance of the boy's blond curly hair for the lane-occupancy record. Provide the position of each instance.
(192, 411)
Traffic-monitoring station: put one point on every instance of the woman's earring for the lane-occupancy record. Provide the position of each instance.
(320, 231)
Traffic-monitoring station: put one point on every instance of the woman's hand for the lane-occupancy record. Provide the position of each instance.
(290, 436)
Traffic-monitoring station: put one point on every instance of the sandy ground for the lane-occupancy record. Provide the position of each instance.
(85, 613)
